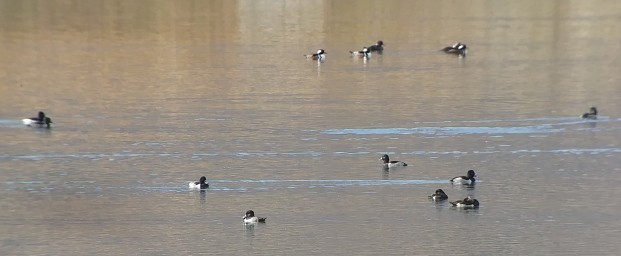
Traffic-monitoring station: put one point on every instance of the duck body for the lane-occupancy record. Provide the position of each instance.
(40, 121)
(249, 218)
(457, 49)
(377, 47)
(320, 55)
(592, 114)
(200, 184)
(466, 203)
(439, 195)
(391, 164)
(365, 53)
(468, 179)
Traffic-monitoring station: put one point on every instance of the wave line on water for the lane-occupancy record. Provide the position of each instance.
(341, 182)
(445, 131)
(550, 125)
(116, 156)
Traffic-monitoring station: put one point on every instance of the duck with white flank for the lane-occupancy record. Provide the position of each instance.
(249, 218)
(377, 47)
(466, 203)
(391, 164)
(200, 184)
(457, 49)
(439, 195)
(39, 121)
(591, 115)
(320, 55)
(468, 179)
(365, 53)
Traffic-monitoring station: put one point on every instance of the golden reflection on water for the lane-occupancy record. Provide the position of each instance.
(68, 49)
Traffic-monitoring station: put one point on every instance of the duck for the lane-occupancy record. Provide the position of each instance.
(320, 55)
(200, 184)
(591, 115)
(391, 164)
(40, 121)
(365, 53)
(439, 195)
(466, 203)
(468, 179)
(249, 218)
(377, 47)
(457, 49)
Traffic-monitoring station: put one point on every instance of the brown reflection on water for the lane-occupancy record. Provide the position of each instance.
(68, 49)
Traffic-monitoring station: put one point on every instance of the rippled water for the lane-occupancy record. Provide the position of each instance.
(147, 96)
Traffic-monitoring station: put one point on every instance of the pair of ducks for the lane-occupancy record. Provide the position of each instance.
(365, 53)
(466, 203)
(468, 179)
(40, 121)
(249, 218)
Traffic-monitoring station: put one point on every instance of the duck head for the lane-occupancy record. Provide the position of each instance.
(471, 174)
(385, 158)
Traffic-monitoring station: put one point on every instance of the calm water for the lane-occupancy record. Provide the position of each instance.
(149, 95)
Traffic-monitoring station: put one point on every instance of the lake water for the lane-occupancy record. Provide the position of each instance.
(147, 96)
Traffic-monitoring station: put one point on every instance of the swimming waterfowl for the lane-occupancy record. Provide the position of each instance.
(377, 47)
(466, 203)
(591, 115)
(320, 55)
(365, 53)
(439, 195)
(468, 179)
(200, 184)
(249, 218)
(39, 121)
(391, 164)
(457, 49)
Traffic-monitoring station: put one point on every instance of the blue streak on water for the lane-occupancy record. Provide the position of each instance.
(576, 151)
(547, 125)
(562, 120)
(112, 157)
(340, 182)
(445, 131)
(215, 185)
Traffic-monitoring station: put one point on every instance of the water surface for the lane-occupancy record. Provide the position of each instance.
(147, 96)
